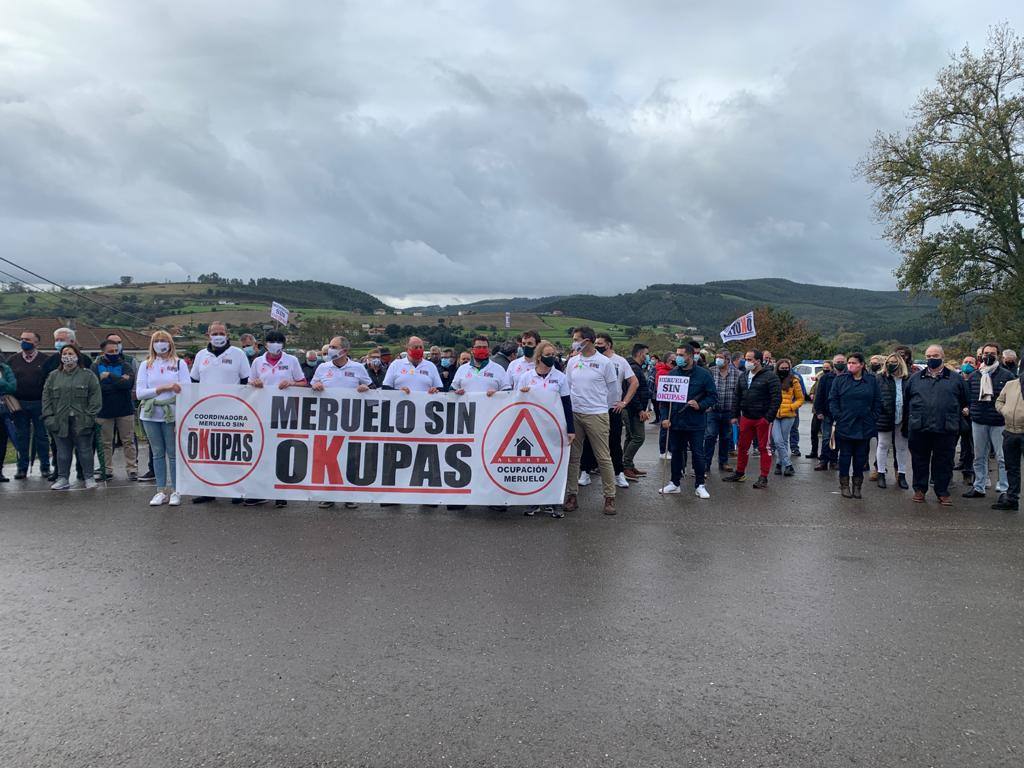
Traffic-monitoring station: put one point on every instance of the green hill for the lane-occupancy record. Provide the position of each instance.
(711, 306)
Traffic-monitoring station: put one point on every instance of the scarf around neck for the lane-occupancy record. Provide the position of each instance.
(986, 392)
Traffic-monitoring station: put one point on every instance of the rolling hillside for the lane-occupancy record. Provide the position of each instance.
(711, 306)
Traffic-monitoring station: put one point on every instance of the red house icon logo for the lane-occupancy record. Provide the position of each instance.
(523, 443)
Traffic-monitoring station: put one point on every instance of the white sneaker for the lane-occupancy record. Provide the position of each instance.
(90, 484)
(702, 492)
(584, 478)
(62, 484)
(175, 500)
(621, 481)
(670, 488)
(160, 498)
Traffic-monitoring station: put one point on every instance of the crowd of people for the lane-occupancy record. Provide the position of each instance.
(76, 410)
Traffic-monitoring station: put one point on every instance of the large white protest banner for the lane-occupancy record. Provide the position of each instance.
(740, 328)
(673, 389)
(376, 446)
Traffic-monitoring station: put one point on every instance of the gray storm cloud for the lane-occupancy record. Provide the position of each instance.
(458, 148)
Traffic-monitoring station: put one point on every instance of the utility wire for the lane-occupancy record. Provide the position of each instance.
(76, 293)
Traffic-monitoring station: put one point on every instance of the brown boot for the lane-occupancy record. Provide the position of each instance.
(571, 504)
(609, 505)
(858, 483)
(631, 474)
(844, 488)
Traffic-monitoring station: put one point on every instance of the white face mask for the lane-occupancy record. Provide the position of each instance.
(69, 363)
(275, 347)
(219, 340)
(161, 347)
(333, 354)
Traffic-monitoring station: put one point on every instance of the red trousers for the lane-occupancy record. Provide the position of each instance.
(748, 429)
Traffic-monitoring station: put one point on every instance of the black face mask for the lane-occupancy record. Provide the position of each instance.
(783, 372)
(839, 367)
(876, 366)
(601, 350)
(990, 359)
(549, 360)
(892, 368)
(528, 351)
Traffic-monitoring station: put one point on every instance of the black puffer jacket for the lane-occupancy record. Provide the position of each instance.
(985, 412)
(761, 399)
(936, 401)
(887, 416)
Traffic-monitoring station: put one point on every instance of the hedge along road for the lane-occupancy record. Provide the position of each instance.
(778, 628)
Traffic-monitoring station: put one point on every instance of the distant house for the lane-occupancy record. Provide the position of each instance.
(365, 326)
(89, 337)
(380, 311)
(557, 312)
(398, 311)
(417, 314)
(224, 303)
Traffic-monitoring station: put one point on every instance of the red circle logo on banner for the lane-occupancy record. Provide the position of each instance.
(220, 440)
(516, 456)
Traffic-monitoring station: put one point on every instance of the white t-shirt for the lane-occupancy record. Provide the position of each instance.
(519, 366)
(229, 367)
(590, 381)
(418, 378)
(159, 374)
(490, 378)
(553, 381)
(271, 374)
(347, 376)
(623, 371)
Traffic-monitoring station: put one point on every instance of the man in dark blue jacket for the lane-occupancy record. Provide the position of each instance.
(987, 425)
(117, 383)
(936, 396)
(688, 422)
(822, 412)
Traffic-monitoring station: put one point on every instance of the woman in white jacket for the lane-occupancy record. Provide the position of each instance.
(158, 383)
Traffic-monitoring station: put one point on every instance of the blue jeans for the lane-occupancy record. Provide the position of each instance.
(719, 430)
(986, 437)
(161, 444)
(679, 441)
(826, 455)
(28, 423)
(794, 434)
(781, 429)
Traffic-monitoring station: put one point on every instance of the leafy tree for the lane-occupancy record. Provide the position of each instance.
(779, 331)
(949, 189)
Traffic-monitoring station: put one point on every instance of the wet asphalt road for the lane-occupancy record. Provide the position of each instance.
(778, 628)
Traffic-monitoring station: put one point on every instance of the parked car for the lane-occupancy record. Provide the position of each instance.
(809, 371)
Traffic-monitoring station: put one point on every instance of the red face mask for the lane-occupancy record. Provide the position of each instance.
(481, 353)
(415, 355)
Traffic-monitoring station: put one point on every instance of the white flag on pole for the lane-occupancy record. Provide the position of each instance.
(740, 328)
(279, 312)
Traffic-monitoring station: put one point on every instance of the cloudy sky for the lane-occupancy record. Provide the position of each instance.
(454, 149)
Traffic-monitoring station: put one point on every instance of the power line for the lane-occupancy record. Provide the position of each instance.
(30, 290)
(76, 293)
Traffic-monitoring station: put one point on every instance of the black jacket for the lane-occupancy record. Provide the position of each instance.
(985, 412)
(376, 375)
(886, 421)
(642, 398)
(935, 402)
(761, 398)
(855, 405)
(822, 391)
